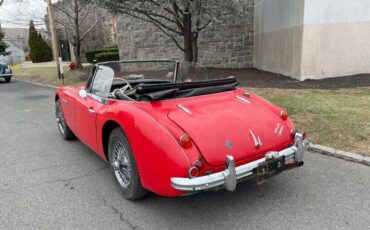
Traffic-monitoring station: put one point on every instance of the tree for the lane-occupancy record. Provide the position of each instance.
(181, 20)
(79, 18)
(39, 49)
(3, 45)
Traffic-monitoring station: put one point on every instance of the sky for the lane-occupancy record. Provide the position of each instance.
(18, 13)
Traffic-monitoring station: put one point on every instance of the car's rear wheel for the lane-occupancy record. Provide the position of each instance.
(124, 167)
(64, 130)
(8, 79)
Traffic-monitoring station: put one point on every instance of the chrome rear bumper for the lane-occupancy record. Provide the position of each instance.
(231, 175)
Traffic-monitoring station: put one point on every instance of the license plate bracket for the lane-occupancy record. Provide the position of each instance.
(269, 168)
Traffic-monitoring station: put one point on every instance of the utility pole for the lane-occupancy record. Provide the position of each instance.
(54, 36)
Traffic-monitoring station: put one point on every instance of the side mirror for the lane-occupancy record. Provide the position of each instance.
(82, 93)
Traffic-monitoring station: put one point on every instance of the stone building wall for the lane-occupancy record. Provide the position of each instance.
(225, 45)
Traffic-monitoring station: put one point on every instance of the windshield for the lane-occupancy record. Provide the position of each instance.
(154, 80)
(136, 70)
(189, 72)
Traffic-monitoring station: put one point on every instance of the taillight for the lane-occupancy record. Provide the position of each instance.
(284, 115)
(193, 172)
(304, 135)
(293, 133)
(197, 166)
(185, 141)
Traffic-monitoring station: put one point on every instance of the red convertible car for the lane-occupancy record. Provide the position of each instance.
(170, 129)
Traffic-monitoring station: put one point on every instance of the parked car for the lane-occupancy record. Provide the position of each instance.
(6, 72)
(172, 130)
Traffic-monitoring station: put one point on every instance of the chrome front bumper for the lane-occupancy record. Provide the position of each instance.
(231, 175)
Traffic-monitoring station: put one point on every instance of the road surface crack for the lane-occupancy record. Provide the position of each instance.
(122, 218)
(69, 180)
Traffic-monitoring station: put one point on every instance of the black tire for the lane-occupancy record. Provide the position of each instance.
(63, 128)
(119, 145)
(8, 79)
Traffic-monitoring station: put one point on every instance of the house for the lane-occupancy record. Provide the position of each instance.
(16, 56)
(103, 33)
(21, 36)
(304, 39)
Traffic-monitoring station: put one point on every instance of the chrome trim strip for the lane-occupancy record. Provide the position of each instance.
(281, 130)
(277, 128)
(243, 99)
(256, 141)
(186, 110)
(228, 179)
(259, 141)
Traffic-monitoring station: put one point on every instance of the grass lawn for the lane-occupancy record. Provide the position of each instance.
(335, 118)
(49, 75)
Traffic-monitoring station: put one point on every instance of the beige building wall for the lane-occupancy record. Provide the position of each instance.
(336, 38)
(312, 39)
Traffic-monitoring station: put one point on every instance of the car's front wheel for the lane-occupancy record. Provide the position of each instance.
(123, 166)
(8, 79)
(64, 130)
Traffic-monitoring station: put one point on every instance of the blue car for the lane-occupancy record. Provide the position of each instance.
(6, 72)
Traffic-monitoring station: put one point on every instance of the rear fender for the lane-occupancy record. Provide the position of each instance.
(158, 155)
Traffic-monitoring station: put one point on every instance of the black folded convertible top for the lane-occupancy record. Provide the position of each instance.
(149, 88)
(154, 92)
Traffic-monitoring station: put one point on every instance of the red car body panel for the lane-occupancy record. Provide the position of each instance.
(154, 128)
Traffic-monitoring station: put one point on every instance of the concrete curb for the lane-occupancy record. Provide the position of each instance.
(340, 154)
(50, 86)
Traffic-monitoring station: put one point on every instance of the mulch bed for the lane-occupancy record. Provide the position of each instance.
(255, 78)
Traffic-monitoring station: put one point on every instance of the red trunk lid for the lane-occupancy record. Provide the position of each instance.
(223, 127)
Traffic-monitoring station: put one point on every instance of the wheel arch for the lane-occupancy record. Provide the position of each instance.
(108, 127)
(147, 137)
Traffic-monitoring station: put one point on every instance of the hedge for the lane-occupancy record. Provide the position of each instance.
(91, 54)
(109, 56)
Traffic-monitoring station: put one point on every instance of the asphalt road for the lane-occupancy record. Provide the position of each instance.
(46, 182)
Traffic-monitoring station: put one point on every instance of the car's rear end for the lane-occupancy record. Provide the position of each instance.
(237, 136)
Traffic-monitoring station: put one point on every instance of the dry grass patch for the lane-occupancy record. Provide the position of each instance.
(49, 75)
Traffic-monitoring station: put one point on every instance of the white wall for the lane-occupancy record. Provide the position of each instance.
(336, 11)
(312, 38)
(273, 15)
(336, 38)
(278, 36)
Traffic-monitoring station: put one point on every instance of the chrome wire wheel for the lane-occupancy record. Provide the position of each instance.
(121, 164)
(60, 118)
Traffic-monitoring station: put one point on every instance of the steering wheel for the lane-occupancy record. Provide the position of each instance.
(123, 89)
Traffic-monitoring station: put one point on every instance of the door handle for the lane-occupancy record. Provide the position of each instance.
(91, 110)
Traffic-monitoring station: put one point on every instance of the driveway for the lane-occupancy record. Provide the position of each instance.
(46, 182)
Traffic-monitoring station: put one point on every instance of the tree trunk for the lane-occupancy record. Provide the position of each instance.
(188, 38)
(188, 47)
(195, 46)
(77, 52)
(78, 39)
